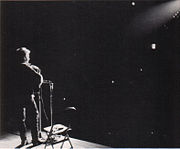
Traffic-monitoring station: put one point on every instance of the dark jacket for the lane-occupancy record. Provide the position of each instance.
(27, 81)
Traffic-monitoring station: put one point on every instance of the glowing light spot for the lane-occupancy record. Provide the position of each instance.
(141, 69)
(133, 3)
(64, 98)
(152, 132)
(109, 133)
(112, 81)
(153, 46)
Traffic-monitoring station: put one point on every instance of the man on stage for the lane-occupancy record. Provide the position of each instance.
(27, 86)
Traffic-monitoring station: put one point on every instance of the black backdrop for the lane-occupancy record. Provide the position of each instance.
(83, 47)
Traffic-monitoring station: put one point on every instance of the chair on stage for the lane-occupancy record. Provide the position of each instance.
(59, 133)
(55, 133)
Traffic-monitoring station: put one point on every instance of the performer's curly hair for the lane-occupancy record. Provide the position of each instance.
(21, 54)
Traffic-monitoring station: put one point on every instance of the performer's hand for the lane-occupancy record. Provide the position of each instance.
(32, 97)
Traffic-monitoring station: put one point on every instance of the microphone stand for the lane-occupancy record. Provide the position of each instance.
(40, 114)
(50, 139)
(40, 106)
(51, 96)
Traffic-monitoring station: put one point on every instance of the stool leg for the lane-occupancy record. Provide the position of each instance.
(69, 140)
(49, 141)
(52, 146)
(45, 146)
(63, 142)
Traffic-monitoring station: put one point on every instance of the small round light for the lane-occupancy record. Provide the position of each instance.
(153, 46)
(112, 81)
(133, 3)
(152, 132)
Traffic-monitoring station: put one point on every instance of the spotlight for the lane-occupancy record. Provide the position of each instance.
(133, 3)
(153, 46)
(154, 17)
(112, 81)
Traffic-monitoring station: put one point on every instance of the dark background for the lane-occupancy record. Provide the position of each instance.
(82, 47)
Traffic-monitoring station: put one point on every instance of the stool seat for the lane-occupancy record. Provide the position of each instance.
(57, 129)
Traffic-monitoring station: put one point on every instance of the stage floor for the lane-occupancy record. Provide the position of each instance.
(10, 141)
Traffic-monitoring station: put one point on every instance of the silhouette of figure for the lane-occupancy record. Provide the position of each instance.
(27, 86)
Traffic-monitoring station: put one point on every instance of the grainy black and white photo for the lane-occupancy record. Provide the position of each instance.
(90, 74)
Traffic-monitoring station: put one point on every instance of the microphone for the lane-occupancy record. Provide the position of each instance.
(51, 84)
(47, 81)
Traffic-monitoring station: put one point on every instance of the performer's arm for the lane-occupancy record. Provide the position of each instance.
(37, 70)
